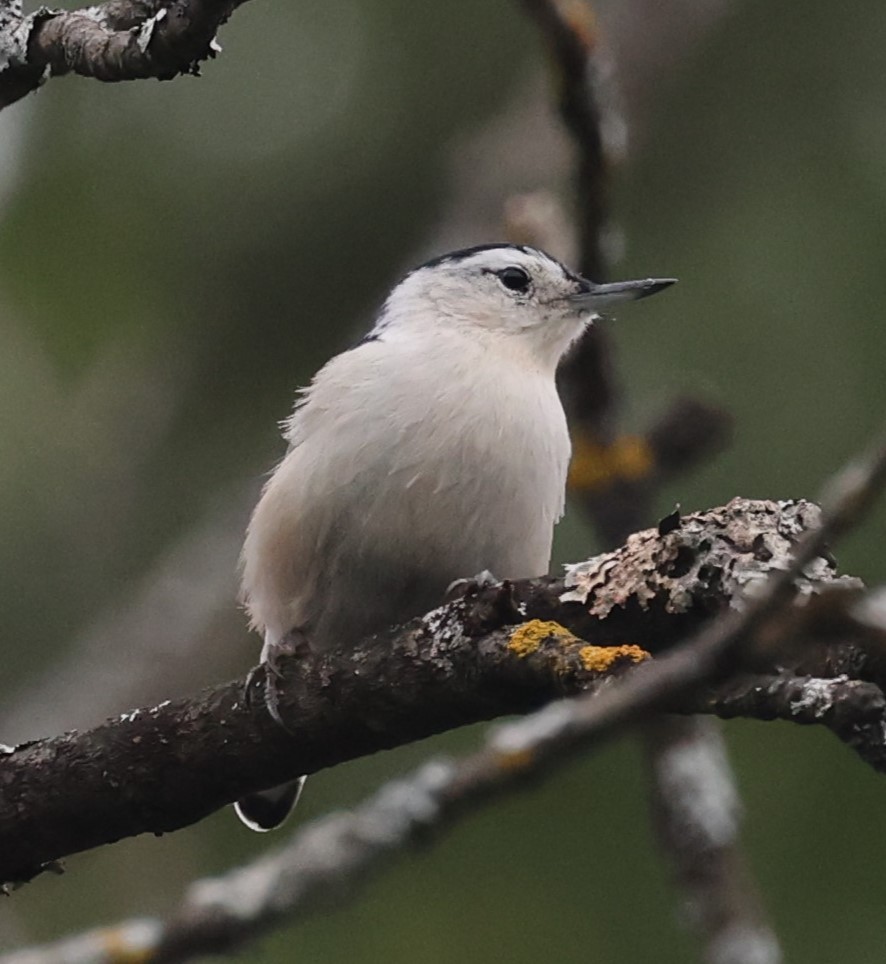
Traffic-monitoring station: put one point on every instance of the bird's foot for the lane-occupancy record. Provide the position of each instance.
(461, 587)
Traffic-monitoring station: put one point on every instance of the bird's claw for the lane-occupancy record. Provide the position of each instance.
(461, 587)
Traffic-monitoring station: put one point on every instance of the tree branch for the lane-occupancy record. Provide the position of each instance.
(112, 41)
(696, 812)
(162, 768)
(325, 859)
(586, 378)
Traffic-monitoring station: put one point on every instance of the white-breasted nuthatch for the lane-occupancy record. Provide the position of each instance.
(435, 449)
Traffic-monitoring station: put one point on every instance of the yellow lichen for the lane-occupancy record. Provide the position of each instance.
(526, 639)
(119, 948)
(514, 760)
(581, 20)
(600, 659)
(595, 465)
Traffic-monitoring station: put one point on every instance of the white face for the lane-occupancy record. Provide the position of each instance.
(513, 291)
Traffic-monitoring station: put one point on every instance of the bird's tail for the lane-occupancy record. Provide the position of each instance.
(269, 808)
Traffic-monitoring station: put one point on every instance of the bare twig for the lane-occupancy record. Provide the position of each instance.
(112, 41)
(614, 477)
(587, 109)
(586, 379)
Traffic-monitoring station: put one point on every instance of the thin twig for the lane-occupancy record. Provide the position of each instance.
(587, 380)
(571, 33)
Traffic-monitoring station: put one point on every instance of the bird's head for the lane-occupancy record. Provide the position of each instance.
(513, 291)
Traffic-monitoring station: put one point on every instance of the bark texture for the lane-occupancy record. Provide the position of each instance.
(113, 41)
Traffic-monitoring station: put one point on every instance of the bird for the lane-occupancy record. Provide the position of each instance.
(434, 449)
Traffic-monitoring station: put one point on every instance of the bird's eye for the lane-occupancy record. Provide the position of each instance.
(514, 279)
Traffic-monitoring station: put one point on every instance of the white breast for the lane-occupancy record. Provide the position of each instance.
(408, 470)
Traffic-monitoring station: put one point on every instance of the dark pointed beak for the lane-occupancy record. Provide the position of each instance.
(593, 296)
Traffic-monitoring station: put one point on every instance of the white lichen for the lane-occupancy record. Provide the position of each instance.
(744, 943)
(524, 735)
(817, 696)
(696, 777)
(444, 626)
(146, 30)
(729, 552)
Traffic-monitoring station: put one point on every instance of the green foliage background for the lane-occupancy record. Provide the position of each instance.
(176, 258)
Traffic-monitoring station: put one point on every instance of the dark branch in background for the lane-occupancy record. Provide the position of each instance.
(586, 380)
(616, 483)
(113, 41)
(615, 477)
(571, 34)
(613, 481)
(326, 858)
(162, 768)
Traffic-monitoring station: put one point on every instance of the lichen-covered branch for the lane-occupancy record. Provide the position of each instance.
(486, 654)
(112, 41)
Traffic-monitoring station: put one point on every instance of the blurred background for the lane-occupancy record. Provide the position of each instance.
(176, 258)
